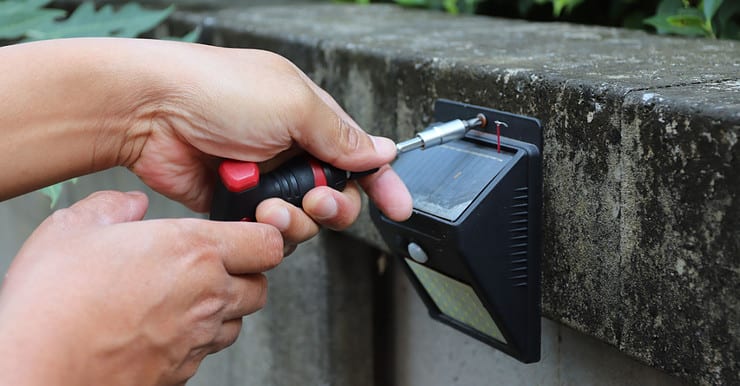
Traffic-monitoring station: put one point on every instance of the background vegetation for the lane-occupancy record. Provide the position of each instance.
(703, 18)
(28, 20)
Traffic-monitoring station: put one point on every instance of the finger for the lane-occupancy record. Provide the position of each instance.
(294, 224)
(331, 208)
(101, 208)
(288, 249)
(227, 335)
(389, 193)
(247, 294)
(244, 247)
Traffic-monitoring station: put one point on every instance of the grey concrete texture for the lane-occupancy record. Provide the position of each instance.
(641, 236)
(316, 329)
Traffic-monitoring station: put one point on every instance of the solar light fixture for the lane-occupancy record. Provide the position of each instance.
(472, 246)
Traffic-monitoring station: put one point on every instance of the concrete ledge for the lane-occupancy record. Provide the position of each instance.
(642, 220)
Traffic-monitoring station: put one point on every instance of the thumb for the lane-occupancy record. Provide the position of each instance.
(331, 135)
(102, 208)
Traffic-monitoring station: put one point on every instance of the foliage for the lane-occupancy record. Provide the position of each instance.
(557, 5)
(709, 18)
(451, 6)
(28, 20)
(55, 191)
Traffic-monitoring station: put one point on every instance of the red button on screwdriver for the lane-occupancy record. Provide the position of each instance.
(239, 176)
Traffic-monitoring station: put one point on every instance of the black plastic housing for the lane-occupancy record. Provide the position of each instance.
(494, 244)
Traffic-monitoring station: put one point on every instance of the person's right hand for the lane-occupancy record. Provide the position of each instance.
(125, 301)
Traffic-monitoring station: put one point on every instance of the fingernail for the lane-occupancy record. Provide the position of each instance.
(326, 208)
(280, 218)
(384, 146)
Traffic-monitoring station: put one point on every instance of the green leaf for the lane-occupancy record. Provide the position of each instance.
(129, 21)
(139, 20)
(710, 7)
(190, 37)
(568, 5)
(673, 18)
(675, 24)
(413, 3)
(16, 17)
(682, 21)
(55, 191)
(13, 7)
(451, 6)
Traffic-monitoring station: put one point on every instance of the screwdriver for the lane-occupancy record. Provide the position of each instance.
(241, 187)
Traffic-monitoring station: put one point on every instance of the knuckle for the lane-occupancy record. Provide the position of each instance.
(186, 237)
(349, 137)
(274, 60)
(297, 96)
(181, 229)
(227, 339)
(62, 217)
(273, 246)
(288, 72)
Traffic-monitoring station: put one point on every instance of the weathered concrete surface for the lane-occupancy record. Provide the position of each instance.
(641, 154)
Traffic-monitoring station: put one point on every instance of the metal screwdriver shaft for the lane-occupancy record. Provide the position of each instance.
(440, 133)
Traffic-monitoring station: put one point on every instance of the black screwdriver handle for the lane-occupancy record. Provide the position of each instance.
(241, 188)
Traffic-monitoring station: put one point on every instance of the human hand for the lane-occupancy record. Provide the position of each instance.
(104, 298)
(252, 105)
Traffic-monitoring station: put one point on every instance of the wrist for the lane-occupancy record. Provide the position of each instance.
(81, 105)
(155, 103)
(61, 112)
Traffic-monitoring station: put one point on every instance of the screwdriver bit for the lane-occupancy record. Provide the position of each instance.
(440, 133)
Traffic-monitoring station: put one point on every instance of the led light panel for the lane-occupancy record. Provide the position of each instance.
(456, 300)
